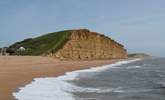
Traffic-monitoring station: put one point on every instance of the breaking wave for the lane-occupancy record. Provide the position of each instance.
(58, 88)
(133, 67)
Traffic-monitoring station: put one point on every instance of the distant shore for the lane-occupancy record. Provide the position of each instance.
(17, 71)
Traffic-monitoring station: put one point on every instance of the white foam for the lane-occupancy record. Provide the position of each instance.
(133, 67)
(57, 88)
(95, 90)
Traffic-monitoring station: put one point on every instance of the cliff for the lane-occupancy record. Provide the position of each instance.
(84, 44)
(74, 44)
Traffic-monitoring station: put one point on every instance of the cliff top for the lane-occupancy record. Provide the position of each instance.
(39, 45)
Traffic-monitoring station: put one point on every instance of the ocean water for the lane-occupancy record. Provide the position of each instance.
(126, 80)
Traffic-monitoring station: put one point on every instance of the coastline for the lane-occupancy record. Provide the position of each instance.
(50, 88)
(17, 71)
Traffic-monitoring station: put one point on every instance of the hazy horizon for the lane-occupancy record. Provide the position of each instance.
(137, 24)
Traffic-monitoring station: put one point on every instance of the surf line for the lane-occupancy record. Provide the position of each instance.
(57, 88)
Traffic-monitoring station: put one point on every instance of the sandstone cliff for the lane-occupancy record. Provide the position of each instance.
(86, 45)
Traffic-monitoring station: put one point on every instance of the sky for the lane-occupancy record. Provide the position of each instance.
(137, 24)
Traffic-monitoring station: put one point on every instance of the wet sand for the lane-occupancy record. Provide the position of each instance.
(17, 71)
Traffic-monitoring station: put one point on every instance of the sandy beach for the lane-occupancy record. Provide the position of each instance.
(17, 71)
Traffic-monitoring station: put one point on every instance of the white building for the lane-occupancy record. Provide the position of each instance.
(21, 49)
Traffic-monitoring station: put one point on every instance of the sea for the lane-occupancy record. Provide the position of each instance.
(135, 79)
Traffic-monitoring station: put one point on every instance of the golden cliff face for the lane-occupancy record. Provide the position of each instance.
(86, 45)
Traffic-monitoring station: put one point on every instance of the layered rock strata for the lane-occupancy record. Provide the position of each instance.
(86, 45)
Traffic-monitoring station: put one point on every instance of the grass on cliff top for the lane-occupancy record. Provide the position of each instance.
(138, 55)
(50, 42)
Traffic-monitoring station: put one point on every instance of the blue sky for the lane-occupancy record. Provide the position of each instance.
(138, 24)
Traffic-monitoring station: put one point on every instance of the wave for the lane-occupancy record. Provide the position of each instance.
(57, 88)
(95, 90)
(133, 67)
(160, 84)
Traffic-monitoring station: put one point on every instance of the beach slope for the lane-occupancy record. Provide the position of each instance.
(17, 71)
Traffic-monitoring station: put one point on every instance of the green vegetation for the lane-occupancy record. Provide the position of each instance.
(50, 42)
(138, 55)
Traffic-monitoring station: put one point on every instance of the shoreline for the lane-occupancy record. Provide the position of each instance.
(58, 87)
(18, 71)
